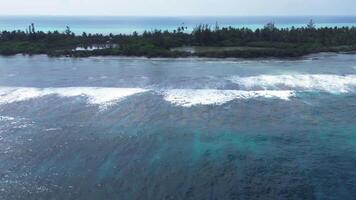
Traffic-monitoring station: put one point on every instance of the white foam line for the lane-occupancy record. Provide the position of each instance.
(6, 118)
(94, 95)
(189, 97)
(306, 82)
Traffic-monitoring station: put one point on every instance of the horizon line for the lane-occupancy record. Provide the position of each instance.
(172, 16)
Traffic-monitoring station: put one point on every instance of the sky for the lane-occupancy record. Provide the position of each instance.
(178, 7)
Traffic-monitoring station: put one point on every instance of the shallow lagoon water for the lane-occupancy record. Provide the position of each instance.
(137, 128)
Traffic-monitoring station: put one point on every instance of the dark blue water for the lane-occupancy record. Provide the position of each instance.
(107, 25)
(135, 128)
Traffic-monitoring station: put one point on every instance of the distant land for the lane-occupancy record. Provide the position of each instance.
(203, 41)
(128, 24)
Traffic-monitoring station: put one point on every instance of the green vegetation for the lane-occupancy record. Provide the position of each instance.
(203, 41)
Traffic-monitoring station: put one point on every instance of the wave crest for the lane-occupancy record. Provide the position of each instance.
(190, 97)
(6, 118)
(94, 95)
(309, 82)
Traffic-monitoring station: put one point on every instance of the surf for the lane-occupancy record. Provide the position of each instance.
(300, 82)
(94, 95)
(192, 97)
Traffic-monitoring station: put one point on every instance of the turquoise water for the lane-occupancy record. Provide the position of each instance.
(130, 24)
(136, 128)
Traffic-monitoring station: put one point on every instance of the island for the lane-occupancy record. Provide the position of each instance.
(203, 41)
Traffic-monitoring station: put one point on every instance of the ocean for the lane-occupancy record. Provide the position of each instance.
(192, 128)
(128, 25)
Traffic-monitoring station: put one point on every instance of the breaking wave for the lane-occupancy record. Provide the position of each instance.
(6, 118)
(94, 95)
(308, 82)
(190, 97)
(281, 87)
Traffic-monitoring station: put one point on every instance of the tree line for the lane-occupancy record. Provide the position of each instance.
(301, 40)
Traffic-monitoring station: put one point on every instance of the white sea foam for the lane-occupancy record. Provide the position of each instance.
(52, 129)
(190, 97)
(307, 82)
(13, 94)
(6, 118)
(98, 96)
(264, 86)
(94, 95)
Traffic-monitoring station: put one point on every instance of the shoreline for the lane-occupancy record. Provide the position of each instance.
(187, 57)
